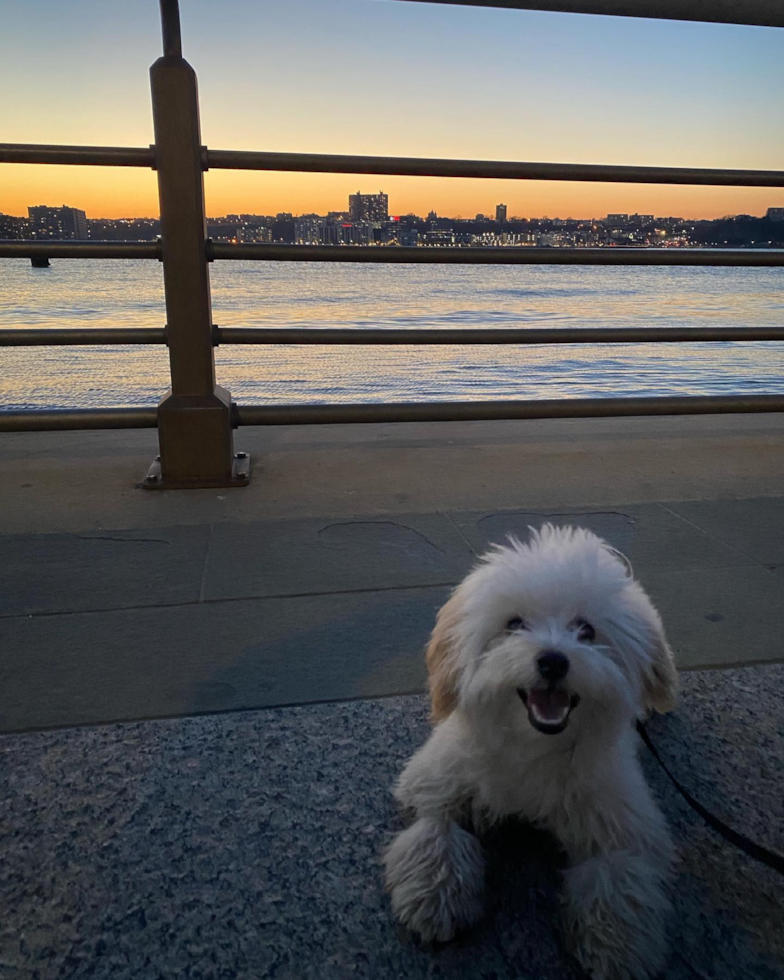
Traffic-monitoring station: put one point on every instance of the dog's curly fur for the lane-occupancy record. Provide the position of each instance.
(560, 751)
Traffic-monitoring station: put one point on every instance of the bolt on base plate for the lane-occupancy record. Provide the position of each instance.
(240, 477)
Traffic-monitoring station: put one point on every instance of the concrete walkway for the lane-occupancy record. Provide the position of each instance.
(119, 604)
(246, 844)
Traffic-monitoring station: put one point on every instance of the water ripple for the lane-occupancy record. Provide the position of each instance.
(130, 293)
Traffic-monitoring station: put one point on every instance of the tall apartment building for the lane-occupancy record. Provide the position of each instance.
(310, 230)
(13, 227)
(64, 222)
(368, 207)
(500, 212)
(775, 214)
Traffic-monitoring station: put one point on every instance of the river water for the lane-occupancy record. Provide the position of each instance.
(130, 293)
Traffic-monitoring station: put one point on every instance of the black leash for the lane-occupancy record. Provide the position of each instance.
(771, 858)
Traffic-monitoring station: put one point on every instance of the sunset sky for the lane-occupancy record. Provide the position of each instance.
(409, 79)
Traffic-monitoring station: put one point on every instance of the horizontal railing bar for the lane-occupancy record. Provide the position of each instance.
(490, 335)
(760, 13)
(562, 408)
(407, 254)
(93, 156)
(119, 156)
(58, 249)
(496, 169)
(78, 418)
(363, 336)
(497, 255)
(146, 418)
(79, 336)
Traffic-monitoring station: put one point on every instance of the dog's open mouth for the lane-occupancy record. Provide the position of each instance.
(549, 708)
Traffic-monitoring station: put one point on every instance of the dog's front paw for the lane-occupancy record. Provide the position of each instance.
(615, 924)
(435, 878)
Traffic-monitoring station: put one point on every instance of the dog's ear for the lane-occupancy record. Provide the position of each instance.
(660, 675)
(661, 685)
(442, 662)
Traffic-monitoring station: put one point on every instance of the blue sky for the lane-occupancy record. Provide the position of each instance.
(381, 76)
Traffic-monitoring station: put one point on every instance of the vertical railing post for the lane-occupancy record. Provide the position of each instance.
(195, 415)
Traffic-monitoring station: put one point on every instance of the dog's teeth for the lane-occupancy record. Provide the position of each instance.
(550, 719)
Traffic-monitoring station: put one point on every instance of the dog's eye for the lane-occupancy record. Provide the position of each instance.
(515, 625)
(585, 631)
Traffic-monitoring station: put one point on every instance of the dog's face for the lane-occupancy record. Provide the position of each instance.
(552, 627)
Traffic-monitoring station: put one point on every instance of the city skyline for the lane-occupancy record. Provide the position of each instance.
(488, 215)
(367, 222)
(444, 81)
(374, 206)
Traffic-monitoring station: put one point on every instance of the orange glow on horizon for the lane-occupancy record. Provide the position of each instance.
(433, 81)
(104, 192)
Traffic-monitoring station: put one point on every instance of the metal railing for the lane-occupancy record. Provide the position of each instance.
(411, 336)
(759, 13)
(335, 163)
(458, 255)
(196, 417)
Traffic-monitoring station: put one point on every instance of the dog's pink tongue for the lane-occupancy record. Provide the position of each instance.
(549, 705)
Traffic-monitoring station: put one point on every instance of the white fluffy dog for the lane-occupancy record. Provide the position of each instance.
(540, 663)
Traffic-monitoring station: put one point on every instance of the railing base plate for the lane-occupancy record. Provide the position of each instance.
(240, 477)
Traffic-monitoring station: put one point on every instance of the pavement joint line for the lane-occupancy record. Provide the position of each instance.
(708, 534)
(239, 598)
(751, 563)
(244, 709)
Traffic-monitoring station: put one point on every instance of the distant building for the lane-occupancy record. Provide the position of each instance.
(775, 214)
(616, 220)
(439, 238)
(357, 232)
(253, 233)
(312, 229)
(63, 222)
(13, 227)
(500, 212)
(123, 229)
(309, 230)
(368, 207)
(283, 228)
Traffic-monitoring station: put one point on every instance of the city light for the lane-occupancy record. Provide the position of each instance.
(367, 222)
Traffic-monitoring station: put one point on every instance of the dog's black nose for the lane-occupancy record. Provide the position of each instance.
(553, 665)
